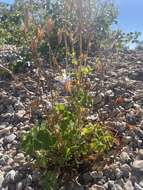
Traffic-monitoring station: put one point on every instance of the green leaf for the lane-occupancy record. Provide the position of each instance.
(74, 60)
(86, 70)
(60, 107)
(87, 130)
(50, 180)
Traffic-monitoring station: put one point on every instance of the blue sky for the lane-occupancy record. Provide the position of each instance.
(130, 14)
(7, 1)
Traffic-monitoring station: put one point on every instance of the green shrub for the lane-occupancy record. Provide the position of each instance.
(66, 138)
(64, 144)
(10, 30)
(97, 20)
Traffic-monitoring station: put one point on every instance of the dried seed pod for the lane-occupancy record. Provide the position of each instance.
(99, 65)
(34, 46)
(26, 22)
(40, 33)
(83, 57)
(59, 36)
(68, 86)
(50, 25)
(90, 39)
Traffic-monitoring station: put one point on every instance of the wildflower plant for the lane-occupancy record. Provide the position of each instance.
(65, 138)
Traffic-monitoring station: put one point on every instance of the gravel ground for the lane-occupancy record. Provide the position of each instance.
(120, 106)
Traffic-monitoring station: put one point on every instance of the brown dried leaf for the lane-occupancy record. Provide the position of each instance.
(119, 100)
(35, 103)
(91, 158)
(129, 126)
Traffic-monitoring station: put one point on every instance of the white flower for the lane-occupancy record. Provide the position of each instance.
(63, 78)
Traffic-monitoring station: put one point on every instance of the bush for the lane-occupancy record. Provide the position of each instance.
(95, 22)
(10, 21)
(63, 142)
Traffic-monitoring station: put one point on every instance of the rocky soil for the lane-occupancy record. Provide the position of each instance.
(120, 107)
